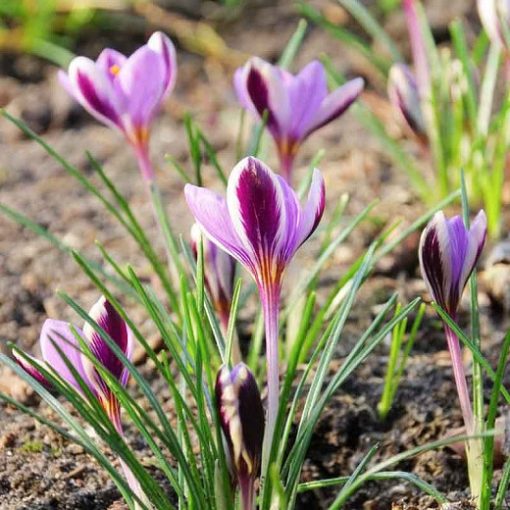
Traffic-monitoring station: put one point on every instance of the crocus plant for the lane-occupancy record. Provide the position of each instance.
(61, 349)
(242, 421)
(126, 93)
(448, 254)
(261, 224)
(296, 106)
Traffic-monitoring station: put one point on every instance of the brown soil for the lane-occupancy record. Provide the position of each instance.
(39, 470)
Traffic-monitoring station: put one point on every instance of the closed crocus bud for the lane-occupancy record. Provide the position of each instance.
(219, 273)
(242, 420)
(448, 254)
(126, 93)
(495, 17)
(403, 94)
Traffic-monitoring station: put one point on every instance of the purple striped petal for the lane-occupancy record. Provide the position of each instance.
(58, 333)
(163, 46)
(107, 318)
(256, 205)
(142, 80)
(314, 208)
(307, 90)
(242, 418)
(448, 254)
(403, 94)
(211, 213)
(265, 85)
(219, 272)
(94, 91)
(31, 369)
(335, 104)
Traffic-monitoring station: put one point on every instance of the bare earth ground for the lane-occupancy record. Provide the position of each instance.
(39, 470)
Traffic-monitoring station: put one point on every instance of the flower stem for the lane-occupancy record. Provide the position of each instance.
(474, 450)
(270, 298)
(113, 411)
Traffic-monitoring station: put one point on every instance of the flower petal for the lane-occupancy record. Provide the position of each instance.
(314, 208)
(94, 91)
(31, 369)
(211, 213)
(256, 205)
(403, 94)
(306, 91)
(476, 240)
(335, 104)
(265, 85)
(142, 81)
(163, 46)
(58, 333)
(107, 318)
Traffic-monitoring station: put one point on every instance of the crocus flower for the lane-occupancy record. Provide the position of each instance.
(448, 254)
(261, 224)
(219, 273)
(296, 105)
(242, 420)
(60, 348)
(495, 18)
(403, 94)
(126, 93)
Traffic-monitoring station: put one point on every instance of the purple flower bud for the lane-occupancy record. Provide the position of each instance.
(296, 105)
(125, 92)
(403, 94)
(495, 18)
(242, 419)
(448, 254)
(58, 335)
(261, 222)
(219, 273)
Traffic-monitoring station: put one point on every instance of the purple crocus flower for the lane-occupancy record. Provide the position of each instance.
(448, 254)
(242, 420)
(261, 224)
(403, 94)
(126, 93)
(296, 105)
(495, 18)
(219, 273)
(60, 336)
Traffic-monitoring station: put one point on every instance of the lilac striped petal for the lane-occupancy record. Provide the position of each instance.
(31, 369)
(242, 418)
(307, 90)
(58, 333)
(95, 92)
(265, 85)
(448, 254)
(240, 77)
(107, 318)
(211, 213)
(256, 205)
(475, 243)
(142, 81)
(335, 104)
(403, 94)
(162, 45)
(314, 208)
